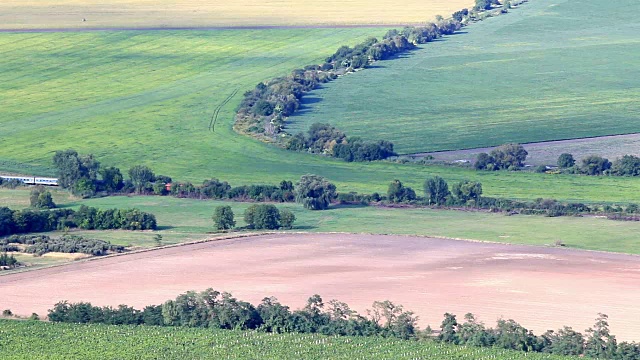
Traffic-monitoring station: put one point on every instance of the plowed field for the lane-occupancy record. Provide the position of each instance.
(540, 287)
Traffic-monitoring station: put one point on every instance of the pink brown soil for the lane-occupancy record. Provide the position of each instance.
(542, 288)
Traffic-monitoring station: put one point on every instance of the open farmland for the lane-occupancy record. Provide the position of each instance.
(149, 96)
(549, 70)
(542, 288)
(38, 14)
(39, 340)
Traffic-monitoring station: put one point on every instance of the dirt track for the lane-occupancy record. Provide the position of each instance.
(541, 288)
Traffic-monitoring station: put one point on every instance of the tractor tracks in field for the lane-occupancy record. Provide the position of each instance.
(216, 112)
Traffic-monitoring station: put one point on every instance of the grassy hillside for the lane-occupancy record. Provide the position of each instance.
(39, 340)
(148, 97)
(548, 70)
(28, 14)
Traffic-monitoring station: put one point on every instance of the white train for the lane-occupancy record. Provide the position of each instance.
(32, 180)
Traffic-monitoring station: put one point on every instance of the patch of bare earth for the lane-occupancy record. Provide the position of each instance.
(547, 152)
(542, 288)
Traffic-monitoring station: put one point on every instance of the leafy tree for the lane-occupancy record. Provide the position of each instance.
(84, 187)
(467, 190)
(627, 165)
(595, 165)
(72, 167)
(448, 329)
(397, 192)
(321, 137)
(287, 218)
(223, 218)
(600, 343)
(262, 216)
(485, 161)
(566, 161)
(565, 341)
(41, 198)
(7, 224)
(509, 156)
(112, 179)
(436, 190)
(141, 177)
(315, 192)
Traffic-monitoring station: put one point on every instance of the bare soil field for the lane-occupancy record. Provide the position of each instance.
(542, 288)
(547, 152)
(42, 14)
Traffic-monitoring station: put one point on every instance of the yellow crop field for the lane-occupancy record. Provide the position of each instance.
(37, 14)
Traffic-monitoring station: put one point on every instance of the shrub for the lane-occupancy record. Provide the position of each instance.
(223, 218)
(262, 216)
(566, 161)
(287, 218)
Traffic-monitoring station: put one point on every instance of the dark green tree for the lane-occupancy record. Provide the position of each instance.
(72, 167)
(287, 218)
(141, 177)
(112, 179)
(566, 161)
(595, 165)
(315, 192)
(627, 165)
(436, 190)
(466, 190)
(397, 192)
(41, 198)
(262, 216)
(600, 343)
(448, 329)
(509, 156)
(565, 341)
(223, 218)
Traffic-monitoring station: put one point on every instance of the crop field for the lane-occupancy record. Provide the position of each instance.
(549, 70)
(40, 340)
(182, 220)
(149, 96)
(541, 287)
(38, 14)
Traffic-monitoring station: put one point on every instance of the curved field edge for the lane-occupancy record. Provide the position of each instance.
(184, 220)
(535, 74)
(122, 94)
(41, 340)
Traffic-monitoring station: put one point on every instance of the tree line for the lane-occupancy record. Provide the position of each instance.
(327, 140)
(42, 244)
(257, 216)
(220, 310)
(88, 218)
(512, 157)
(265, 109)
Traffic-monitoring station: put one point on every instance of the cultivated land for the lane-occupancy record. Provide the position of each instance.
(38, 340)
(38, 14)
(552, 69)
(542, 288)
(546, 153)
(148, 97)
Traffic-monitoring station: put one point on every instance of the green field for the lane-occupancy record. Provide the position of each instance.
(551, 69)
(181, 220)
(148, 97)
(40, 340)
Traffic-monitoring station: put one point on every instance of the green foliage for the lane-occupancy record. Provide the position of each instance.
(436, 190)
(466, 191)
(8, 261)
(566, 161)
(141, 177)
(262, 216)
(315, 192)
(398, 193)
(595, 165)
(112, 179)
(287, 218)
(508, 156)
(627, 165)
(41, 198)
(223, 218)
(42, 244)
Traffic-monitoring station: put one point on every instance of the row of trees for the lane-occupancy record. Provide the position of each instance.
(326, 139)
(508, 156)
(257, 216)
(29, 221)
(220, 310)
(597, 342)
(264, 110)
(436, 192)
(628, 165)
(42, 244)
(8, 261)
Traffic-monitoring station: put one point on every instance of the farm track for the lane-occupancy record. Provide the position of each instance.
(541, 287)
(216, 112)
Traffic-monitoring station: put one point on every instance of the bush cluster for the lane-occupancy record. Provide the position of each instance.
(29, 221)
(257, 216)
(42, 244)
(8, 261)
